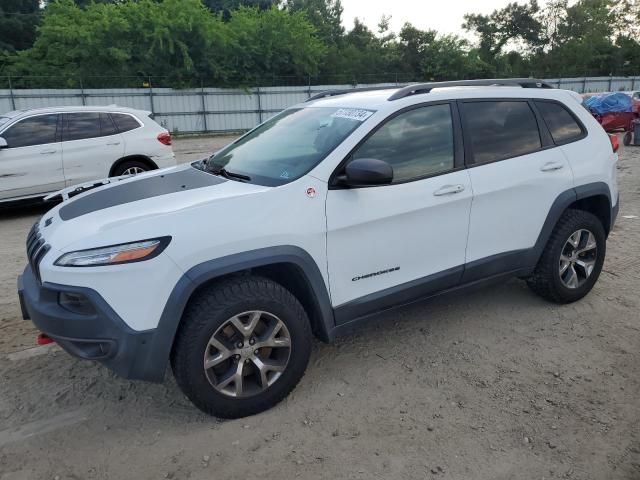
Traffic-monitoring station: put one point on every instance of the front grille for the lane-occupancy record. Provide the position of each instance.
(36, 249)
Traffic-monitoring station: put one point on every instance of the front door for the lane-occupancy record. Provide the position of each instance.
(390, 244)
(31, 162)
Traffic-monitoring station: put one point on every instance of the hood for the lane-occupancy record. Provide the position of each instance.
(181, 179)
(134, 204)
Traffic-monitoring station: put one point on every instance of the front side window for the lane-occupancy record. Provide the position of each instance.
(79, 126)
(417, 143)
(31, 131)
(288, 145)
(501, 129)
(562, 125)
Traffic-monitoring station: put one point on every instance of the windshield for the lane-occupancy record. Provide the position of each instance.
(289, 145)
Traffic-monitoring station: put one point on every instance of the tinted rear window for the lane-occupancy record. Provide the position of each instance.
(500, 130)
(563, 127)
(78, 126)
(124, 122)
(106, 125)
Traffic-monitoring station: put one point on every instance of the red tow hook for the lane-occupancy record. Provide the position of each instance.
(44, 339)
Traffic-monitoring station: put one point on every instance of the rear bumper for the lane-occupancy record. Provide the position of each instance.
(99, 335)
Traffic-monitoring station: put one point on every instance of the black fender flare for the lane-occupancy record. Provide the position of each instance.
(162, 341)
(561, 203)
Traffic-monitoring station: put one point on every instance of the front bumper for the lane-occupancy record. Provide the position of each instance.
(99, 335)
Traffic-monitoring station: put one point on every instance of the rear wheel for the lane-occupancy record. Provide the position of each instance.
(572, 260)
(626, 140)
(131, 167)
(242, 347)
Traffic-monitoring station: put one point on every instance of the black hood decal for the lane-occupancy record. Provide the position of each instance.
(181, 180)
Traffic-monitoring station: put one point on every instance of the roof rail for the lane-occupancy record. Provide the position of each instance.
(418, 88)
(344, 91)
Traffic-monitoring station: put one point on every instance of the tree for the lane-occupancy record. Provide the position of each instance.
(512, 23)
(324, 15)
(225, 7)
(18, 22)
(271, 43)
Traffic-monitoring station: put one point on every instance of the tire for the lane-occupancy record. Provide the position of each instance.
(206, 316)
(626, 140)
(547, 279)
(130, 165)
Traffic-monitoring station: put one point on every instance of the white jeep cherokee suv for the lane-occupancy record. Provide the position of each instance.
(330, 212)
(43, 150)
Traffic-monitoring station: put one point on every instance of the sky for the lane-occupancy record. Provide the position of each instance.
(445, 16)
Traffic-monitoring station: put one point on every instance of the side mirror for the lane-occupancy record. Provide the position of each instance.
(366, 172)
(3, 143)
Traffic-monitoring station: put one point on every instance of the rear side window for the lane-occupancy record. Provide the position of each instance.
(124, 122)
(106, 125)
(32, 131)
(500, 130)
(417, 143)
(563, 127)
(78, 126)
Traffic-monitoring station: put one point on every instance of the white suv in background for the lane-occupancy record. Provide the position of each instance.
(327, 214)
(44, 150)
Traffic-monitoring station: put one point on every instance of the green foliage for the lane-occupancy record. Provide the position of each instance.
(18, 22)
(188, 43)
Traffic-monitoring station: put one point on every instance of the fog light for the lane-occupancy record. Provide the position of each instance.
(76, 303)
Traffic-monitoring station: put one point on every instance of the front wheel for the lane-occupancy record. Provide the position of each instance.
(572, 260)
(243, 345)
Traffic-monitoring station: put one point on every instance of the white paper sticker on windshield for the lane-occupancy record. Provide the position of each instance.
(353, 114)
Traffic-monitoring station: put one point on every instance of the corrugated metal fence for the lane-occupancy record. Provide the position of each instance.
(204, 110)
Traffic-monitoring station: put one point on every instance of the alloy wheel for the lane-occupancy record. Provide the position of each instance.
(247, 354)
(578, 258)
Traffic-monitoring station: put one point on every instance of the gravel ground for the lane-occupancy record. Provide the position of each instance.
(495, 384)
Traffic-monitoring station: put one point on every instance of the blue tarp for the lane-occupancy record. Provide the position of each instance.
(609, 103)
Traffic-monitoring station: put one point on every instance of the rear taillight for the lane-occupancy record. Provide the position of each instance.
(614, 142)
(164, 138)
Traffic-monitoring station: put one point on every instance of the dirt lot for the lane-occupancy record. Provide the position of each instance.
(496, 384)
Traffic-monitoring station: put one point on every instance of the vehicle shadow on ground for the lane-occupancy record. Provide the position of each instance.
(13, 211)
(64, 383)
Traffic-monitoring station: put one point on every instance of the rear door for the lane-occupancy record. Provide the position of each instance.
(91, 144)
(31, 164)
(517, 173)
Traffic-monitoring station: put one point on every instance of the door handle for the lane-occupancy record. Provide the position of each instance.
(114, 143)
(449, 190)
(48, 152)
(551, 166)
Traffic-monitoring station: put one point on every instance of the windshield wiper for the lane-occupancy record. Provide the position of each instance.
(223, 172)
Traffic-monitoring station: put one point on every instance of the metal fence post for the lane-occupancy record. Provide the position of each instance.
(584, 85)
(204, 107)
(82, 99)
(151, 96)
(633, 83)
(309, 86)
(259, 105)
(13, 100)
(610, 82)
(560, 82)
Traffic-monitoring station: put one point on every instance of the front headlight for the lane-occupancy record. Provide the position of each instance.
(114, 254)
